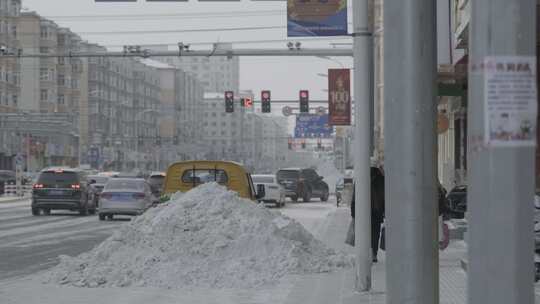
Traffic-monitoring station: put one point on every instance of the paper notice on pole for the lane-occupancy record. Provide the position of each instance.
(510, 101)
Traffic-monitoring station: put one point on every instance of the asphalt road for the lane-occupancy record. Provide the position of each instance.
(29, 244)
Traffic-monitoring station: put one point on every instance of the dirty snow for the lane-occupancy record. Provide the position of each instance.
(208, 237)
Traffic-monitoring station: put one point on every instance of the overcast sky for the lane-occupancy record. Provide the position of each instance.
(284, 76)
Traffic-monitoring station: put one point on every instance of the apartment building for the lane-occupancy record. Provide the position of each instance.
(9, 68)
(242, 136)
(216, 74)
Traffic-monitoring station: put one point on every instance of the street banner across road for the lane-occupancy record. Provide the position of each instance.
(316, 18)
(339, 97)
(312, 126)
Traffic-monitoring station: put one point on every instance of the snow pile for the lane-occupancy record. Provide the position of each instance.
(208, 237)
(330, 173)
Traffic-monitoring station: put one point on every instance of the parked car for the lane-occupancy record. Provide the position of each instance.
(274, 192)
(62, 189)
(125, 196)
(97, 183)
(186, 175)
(457, 202)
(303, 183)
(156, 181)
(6, 177)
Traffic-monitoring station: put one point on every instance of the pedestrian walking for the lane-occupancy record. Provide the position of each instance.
(377, 211)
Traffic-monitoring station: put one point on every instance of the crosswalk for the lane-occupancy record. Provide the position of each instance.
(31, 243)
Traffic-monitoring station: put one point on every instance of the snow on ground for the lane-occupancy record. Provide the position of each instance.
(206, 238)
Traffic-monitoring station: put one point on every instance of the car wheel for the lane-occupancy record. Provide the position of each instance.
(110, 217)
(306, 197)
(47, 211)
(35, 211)
(92, 211)
(101, 217)
(295, 198)
(83, 211)
(324, 198)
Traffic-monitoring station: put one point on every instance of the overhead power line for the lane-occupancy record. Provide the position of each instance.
(230, 29)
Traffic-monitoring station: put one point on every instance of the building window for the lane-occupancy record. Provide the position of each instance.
(214, 124)
(222, 133)
(44, 95)
(75, 83)
(61, 60)
(61, 80)
(61, 99)
(43, 32)
(44, 50)
(214, 114)
(15, 99)
(43, 74)
(223, 123)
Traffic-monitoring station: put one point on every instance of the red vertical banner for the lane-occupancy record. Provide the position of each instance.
(339, 97)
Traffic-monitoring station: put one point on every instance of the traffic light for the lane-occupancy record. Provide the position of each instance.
(265, 97)
(248, 102)
(158, 140)
(304, 101)
(229, 101)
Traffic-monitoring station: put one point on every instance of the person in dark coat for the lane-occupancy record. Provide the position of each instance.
(377, 208)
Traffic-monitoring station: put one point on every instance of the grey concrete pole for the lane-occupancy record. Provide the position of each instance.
(501, 179)
(362, 147)
(410, 152)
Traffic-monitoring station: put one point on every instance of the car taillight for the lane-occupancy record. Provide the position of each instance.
(38, 186)
(75, 186)
(105, 195)
(138, 195)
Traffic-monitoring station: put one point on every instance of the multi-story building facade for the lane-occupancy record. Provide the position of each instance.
(180, 122)
(9, 68)
(243, 136)
(216, 74)
(38, 75)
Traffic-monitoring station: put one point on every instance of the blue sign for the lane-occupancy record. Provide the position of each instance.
(316, 18)
(312, 126)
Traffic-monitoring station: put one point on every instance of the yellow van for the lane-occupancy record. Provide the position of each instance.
(186, 175)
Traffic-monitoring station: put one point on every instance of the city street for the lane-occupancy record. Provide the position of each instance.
(29, 244)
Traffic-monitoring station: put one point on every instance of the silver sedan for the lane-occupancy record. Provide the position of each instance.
(125, 196)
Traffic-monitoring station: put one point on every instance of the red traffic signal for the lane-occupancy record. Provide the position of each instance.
(248, 102)
(265, 104)
(304, 101)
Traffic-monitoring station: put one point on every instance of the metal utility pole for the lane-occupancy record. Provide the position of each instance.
(410, 152)
(502, 179)
(362, 231)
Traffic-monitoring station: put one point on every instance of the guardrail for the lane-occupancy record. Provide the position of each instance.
(11, 189)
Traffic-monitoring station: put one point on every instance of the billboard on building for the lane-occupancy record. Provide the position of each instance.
(312, 126)
(316, 18)
(339, 97)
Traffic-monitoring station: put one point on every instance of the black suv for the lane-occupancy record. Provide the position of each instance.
(303, 183)
(457, 202)
(62, 189)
